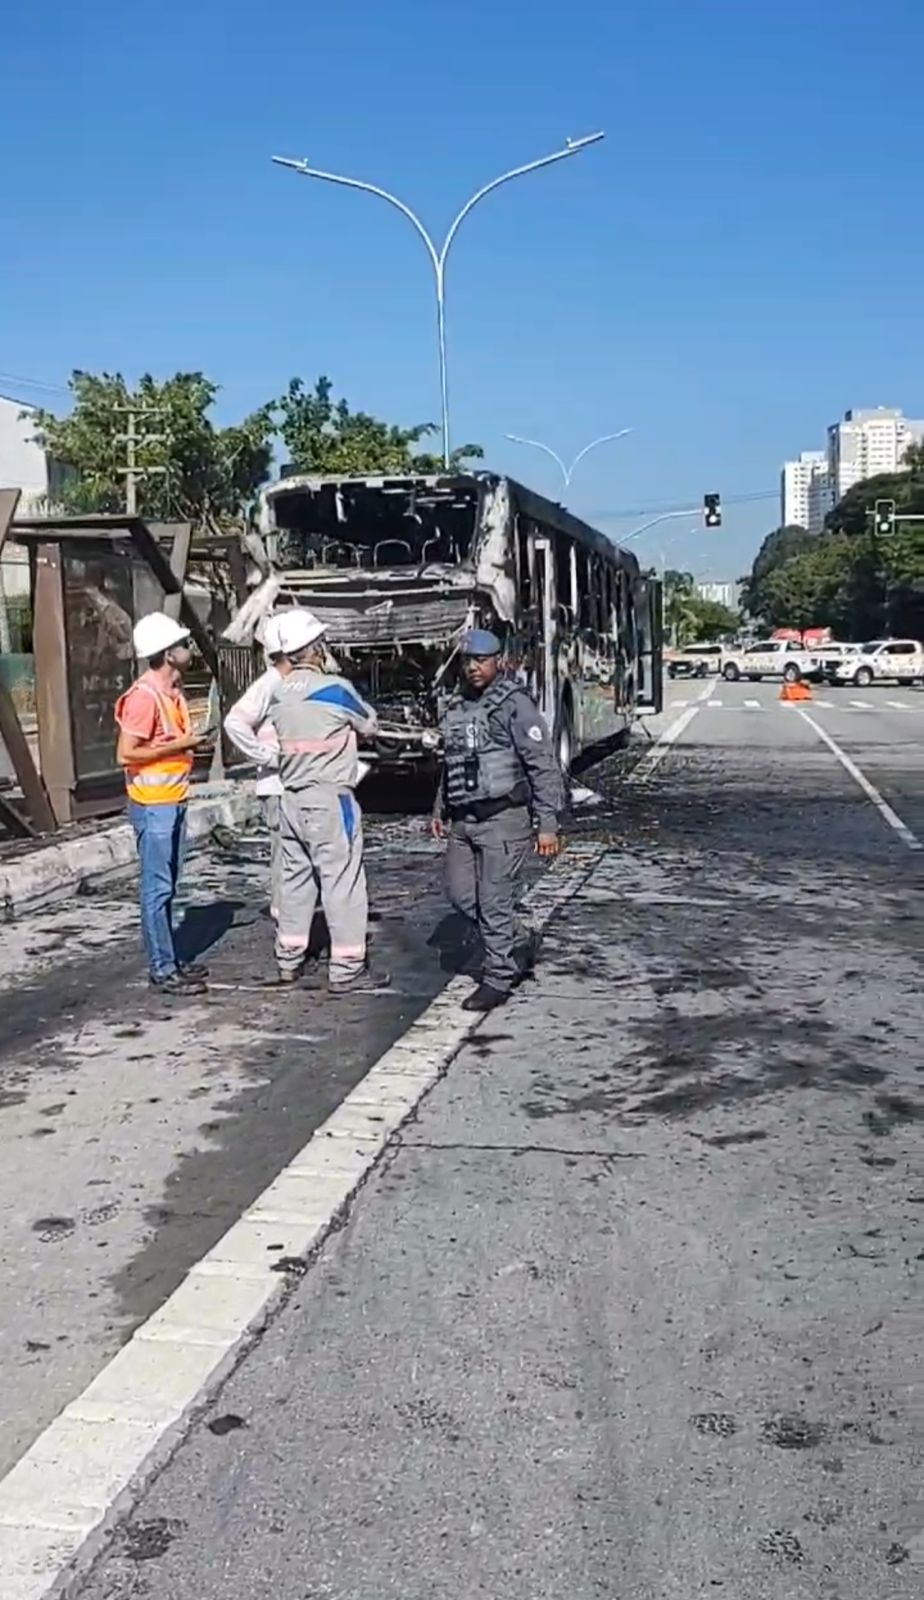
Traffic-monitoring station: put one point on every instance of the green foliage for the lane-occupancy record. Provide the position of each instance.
(202, 473)
(779, 547)
(848, 579)
(689, 618)
(713, 620)
(324, 436)
(193, 470)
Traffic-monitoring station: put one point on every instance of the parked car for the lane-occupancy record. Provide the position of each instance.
(770, 658)
(880, 661)
(695, 661)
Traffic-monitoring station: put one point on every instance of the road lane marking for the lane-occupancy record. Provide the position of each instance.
(671, 734)
(714, 704)
(862, 705)
(909, 839)
(58, 1502)
(898, 705)
(828, 704)
(752, 705)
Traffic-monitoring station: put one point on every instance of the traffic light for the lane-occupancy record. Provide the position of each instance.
(884, 517)
(712, 510)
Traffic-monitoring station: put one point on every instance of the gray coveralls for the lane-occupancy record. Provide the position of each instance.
(499, 767)
(317, 717)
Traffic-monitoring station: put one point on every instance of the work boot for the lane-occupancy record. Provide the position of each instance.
(180, 985)
(485, 998)
(369, 980)
(197, 970)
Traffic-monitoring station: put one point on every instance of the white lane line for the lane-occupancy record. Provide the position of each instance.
(752, 705)
(714, 704)
(671, 734)
(827, 704)
(909, 839)
(58, 1503)
(862, 705)
(898, 705)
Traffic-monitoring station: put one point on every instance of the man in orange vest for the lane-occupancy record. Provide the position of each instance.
(155, 748)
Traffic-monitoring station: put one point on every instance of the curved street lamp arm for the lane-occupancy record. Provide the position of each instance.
(655, 522)
(603, 439)
(538, 445)
(572, 148)
(369, 188)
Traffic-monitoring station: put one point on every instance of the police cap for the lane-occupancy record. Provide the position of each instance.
(479, 642)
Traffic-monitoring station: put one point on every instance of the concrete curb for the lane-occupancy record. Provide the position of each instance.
(59, 1504)
(57, 871)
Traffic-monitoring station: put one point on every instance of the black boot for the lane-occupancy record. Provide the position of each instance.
(486, 999)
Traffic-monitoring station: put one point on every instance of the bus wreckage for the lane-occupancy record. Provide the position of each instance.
(399, 568)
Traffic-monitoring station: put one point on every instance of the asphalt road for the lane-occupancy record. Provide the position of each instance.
(633, 1306)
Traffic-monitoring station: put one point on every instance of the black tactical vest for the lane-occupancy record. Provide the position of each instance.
(481, 762)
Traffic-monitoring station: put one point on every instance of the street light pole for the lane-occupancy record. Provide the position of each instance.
(568, 472)
(667, 516)
(439, 254)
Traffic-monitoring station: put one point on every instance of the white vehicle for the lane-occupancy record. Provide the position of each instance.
(770, 658)
(880, 661)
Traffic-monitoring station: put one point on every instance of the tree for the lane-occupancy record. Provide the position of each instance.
(778, 547)
(324, 436)
(853, 514)
(713, 620)
(679, 601)
(203, 474)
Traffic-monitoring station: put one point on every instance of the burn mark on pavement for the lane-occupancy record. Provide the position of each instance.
(789, 1432)
(51, 1228)
(148, 1541)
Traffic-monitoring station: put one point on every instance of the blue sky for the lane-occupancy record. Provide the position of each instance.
(736, 264)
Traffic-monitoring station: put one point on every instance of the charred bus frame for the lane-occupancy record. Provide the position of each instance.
(398, 568)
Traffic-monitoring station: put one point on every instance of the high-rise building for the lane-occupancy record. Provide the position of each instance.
(867, 443)
(805, 491)
(722, 593)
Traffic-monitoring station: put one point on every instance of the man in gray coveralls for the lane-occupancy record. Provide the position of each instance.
(499, 776)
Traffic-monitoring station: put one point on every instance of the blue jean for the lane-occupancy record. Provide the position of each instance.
(160, 834)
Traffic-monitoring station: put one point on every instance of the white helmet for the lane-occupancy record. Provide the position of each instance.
(291, 631)
(156, 633)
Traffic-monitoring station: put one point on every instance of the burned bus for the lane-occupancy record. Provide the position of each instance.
(398, 568)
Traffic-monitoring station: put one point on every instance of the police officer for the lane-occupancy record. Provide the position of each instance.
(499, 775)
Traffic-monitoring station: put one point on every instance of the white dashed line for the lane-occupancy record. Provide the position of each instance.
(909, 839)
(898, 705)
(58, 1501)
(752, 705)
(862, 705)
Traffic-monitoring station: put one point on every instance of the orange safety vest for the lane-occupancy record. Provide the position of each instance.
(165, 782)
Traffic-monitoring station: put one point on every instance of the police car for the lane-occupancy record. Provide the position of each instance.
(770, 658)
(880, 661)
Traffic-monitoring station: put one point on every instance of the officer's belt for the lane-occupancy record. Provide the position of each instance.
(484, 810)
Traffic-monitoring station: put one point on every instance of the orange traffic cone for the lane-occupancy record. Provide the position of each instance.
(791, 692)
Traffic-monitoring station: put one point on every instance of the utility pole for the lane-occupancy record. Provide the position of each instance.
(131, 439)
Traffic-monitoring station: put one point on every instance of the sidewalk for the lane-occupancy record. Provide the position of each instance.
(603, 1321)
(35, 872)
